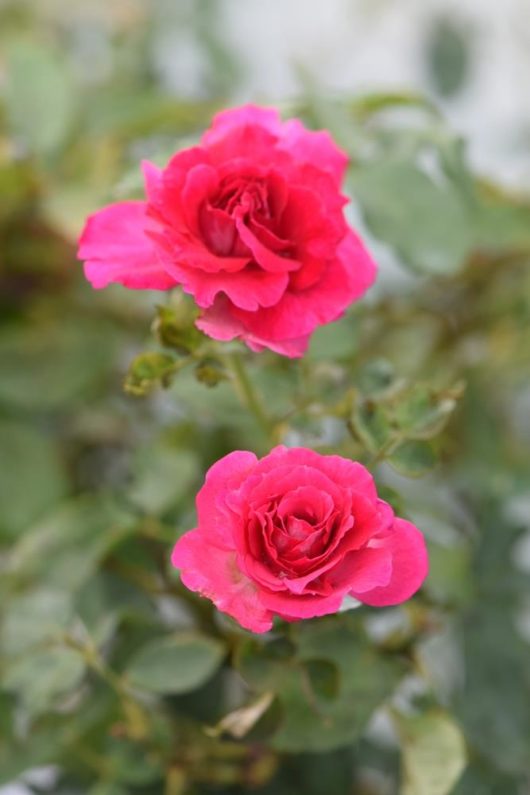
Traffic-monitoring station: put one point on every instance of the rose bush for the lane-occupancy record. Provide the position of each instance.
(292, 534)
(250, 223)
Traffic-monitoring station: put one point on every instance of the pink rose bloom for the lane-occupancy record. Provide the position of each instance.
(250, 223)
(294, 533)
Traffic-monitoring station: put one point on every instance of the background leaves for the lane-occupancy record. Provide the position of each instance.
(109, 669)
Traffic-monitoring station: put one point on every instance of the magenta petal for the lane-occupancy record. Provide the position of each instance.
(410, 566)
(153, 177)
(293, 349)
(363, 570)
(243, 117)
(316, 148)
(201, 181)
(294, 606)
(115, 248)
(218, 322)
(269, 260)
(247, 289)
(234, 138)
(299, 313)
(213, 572)
(360, 266)
(225, 475)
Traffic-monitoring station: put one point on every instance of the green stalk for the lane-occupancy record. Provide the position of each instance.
(249, 396)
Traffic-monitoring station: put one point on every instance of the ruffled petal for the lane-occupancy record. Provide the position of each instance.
(213, 572)
(265, 257)
(406, 547)
(115, 248)
(361, 571)
(299, 313)
(295, 607)
(248, 289)
(314, 147)
(218, 322)
(223, 476)
(241, 118)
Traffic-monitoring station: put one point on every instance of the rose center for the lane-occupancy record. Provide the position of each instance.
(248, 196)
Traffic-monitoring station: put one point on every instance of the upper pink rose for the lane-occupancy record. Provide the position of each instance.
(292, 534)
(250, 223)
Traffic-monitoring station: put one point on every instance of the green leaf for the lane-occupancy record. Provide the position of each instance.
(396, 418)
(19, 757)
(50, 366)
(412, 458)
(40, 97)
(450, 577)
(371, 425)
(33, 617)
(433, 753)
(7, 717)
(324, 678)
(376, 377)
(107, 788)
(423, 412)
(32, 478)
(64, 549)
(322, 710)
(492, 704)
(448, 56)
(480, 778)
(504, 225)
(163, 475)
(43, 676)
(175, 664)
(425, 221)
(336, 340)
(105, 600)
(129, 764)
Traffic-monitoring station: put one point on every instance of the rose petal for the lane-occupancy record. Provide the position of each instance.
(247, 131)
(313, 147)
(294, 606)
(267, 259)
(213, 573)
(406, 547)
(115, 248)
(218, 230)
(249, 289)
(153, 177)
(345, 280)
(293, 348)
(200, 184)
(223, 477)
(362, 570)
(165, 195)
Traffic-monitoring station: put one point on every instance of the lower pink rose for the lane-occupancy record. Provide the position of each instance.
(292, 535)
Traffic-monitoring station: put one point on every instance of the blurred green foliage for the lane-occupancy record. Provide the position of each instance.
(109, 669)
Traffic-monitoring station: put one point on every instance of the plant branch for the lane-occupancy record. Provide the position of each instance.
(248, 394)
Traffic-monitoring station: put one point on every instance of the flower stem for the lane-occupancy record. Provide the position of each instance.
(249, 395)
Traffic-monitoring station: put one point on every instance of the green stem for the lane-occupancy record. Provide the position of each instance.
(381, 454)
(249, 395)
(138, 722)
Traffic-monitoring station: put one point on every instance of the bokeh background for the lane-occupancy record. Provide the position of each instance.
(94, 481)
